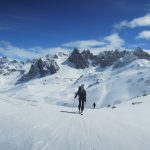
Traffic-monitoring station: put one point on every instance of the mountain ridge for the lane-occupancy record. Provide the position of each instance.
(127, 77)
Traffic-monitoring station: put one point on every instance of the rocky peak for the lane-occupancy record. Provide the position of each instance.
(107, 58)
(9, 66)
(141, 54)
(80, 60)
(127, 59)
(87, 55)
(41, 68)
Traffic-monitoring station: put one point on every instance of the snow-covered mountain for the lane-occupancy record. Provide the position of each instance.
(9, 66)
(40, 68)
(110, 77)
(39, 89)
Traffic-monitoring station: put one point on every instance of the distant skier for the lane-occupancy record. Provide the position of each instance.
(81, 93)
(94, 105)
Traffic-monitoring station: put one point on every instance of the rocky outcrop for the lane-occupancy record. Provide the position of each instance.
(138, 53)
(80, 60)
(141, 54)
(9, 66)
(87, 55)
(127, 59)
(37, 68)
(107, 58)
(41, 68)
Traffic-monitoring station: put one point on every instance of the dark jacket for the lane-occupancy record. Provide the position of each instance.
(81, 93)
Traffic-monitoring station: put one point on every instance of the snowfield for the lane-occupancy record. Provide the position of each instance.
(38, 114)
(26, 125)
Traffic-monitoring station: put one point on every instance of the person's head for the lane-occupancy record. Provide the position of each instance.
(79, 87)
(82, 86)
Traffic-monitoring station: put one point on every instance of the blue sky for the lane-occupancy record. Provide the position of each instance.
(31, 28)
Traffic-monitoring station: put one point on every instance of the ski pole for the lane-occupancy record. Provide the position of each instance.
(73, 104)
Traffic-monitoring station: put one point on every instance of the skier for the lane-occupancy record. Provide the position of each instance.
(81, 93)
(94, 105)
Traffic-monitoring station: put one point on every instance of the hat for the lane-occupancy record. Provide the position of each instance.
(82, 85)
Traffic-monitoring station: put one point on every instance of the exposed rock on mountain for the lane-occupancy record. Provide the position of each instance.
(107, 58)
(87, 55)
(47, 65)
(141, 54)
(9, 66)
(128, 58)
(41, 68)
(80, 60)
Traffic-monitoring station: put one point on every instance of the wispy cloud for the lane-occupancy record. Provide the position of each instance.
(137, 22)
(9, 50)
(113, 41)
(84, 44)
(144, 35)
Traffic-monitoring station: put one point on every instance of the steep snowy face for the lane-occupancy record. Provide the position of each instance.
(123, 84)
(7, 66)
(40, 68)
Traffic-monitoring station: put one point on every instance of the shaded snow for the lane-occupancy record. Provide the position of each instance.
(37, 126)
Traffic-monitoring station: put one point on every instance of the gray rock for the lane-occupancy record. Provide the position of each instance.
(80, 60)
(128, 58)
(40, 68)
(9, 66)
(141, 54)
(87, 55)
(107, 58)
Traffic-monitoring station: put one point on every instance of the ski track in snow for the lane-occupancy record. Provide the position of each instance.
(44, 127)
(30, 118)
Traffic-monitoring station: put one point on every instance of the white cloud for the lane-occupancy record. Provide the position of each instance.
(83, 44)
(109, 42)
(113, 41)
(9, 50)
(144, 35)
(137, 22)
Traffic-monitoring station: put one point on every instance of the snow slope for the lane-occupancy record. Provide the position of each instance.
(105, 87)
(123, 84)
(27, 125)
(38, 115)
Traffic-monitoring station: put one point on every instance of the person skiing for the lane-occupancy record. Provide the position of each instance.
(81, 93)
(94, 105)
